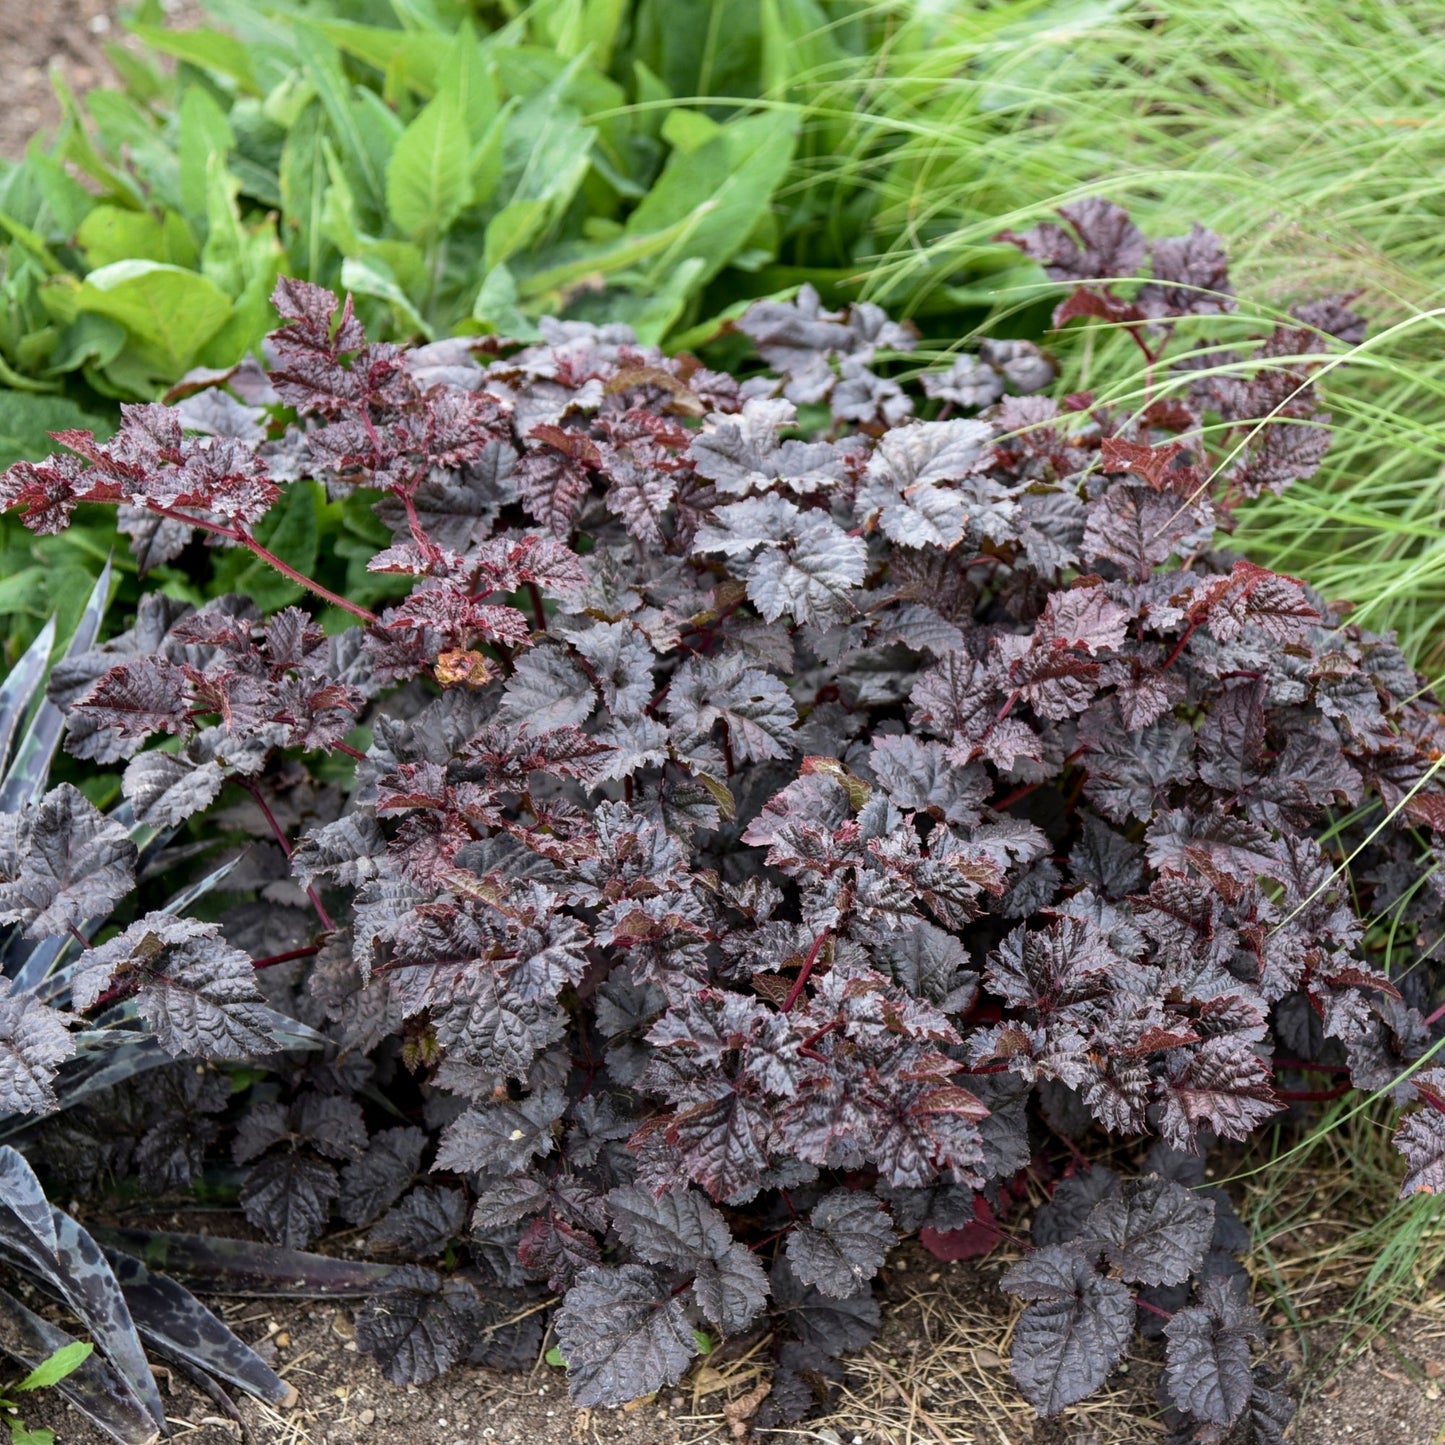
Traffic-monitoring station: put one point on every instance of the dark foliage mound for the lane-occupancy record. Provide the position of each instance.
(775, 821)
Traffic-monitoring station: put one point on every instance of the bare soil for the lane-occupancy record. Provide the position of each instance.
(36, 35)
(938, 1372)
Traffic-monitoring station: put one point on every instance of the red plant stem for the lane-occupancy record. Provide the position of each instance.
(821, 1033)
(270, 817)
(767, 1239)
(1306, 1067)
(294, 954)
(427, 547)
(235, 534)
(1008, 707)
(539, 612)
(796, 992)
(1018, 794)
(1153, 1309)
(1179, 646)
(286, 570)
(1435, 1017)
(350, 751)
(77, 935)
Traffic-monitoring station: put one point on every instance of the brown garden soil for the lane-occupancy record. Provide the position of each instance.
(36, 35)
(938, 1371)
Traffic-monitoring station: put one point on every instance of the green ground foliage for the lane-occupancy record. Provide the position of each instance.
(474, 167)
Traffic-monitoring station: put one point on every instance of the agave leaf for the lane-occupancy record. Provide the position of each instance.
(40, 972)
(175, 1322)
(247, 1268)
(104, 1059)
(27, 775)
(66, 1262)
(93, 1387)
(20, 684)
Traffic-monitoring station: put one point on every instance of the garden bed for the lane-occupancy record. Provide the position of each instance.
(939, 1367)
(937, 1372)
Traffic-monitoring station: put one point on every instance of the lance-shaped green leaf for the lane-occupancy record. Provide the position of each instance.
(92, 1387)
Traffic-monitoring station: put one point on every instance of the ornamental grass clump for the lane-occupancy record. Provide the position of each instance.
(778, 811)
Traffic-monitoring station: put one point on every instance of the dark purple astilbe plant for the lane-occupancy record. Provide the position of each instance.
(775, 817)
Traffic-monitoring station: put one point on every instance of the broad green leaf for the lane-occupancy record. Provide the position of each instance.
(25, 591)
(335, 94)
(68, 200)
(427, 179)
(575, 27)
(223, 255)
(76, 146)
(34, 244)
(467, 78)
(738, 169)
(212, 50)
(283, 106)
(413, 57)
(686, 130)
(375, 278)
(496, 309)
(796, 41)
(380, 126)
(652, 96)
(657, 307)
(113, 233)
(65, 1361)
(205, 133)
(142, 79)
(303, 192)
(88, 340)
(604, 258)
(488, 157)
(338, 204)
(27, 421)
(528, 70)
(128, 131)
(545, 155)
(515, 226)
(252, 315)
(170, 313)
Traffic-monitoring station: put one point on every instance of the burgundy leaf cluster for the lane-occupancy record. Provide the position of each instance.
(775, 818)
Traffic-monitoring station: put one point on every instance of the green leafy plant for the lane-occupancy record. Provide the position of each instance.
(761, 815)
(455, 171)
(50, 1371)
(451, 176)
